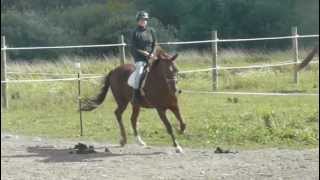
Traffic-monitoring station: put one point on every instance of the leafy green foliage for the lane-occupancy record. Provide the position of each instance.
(74, 22)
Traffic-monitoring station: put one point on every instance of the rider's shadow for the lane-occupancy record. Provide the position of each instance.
(50, 154)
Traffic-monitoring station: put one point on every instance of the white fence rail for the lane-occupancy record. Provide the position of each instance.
(244, 67)
(50, 80)
(97, 76)
(61, 47)
(238, 40)
(251, 93)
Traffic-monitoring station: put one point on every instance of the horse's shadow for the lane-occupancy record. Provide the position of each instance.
(50, 154)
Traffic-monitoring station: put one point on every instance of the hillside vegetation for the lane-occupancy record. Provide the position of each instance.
(74, 22)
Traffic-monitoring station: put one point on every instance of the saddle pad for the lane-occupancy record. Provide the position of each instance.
(131, 79)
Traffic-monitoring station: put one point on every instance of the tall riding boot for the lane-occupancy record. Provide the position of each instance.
(136, 96)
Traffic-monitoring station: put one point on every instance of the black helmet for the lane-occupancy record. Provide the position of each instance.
(142, 15)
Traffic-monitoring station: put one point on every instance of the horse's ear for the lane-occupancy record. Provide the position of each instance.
(174, 57)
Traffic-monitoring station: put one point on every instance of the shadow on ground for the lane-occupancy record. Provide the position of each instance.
(50, 154)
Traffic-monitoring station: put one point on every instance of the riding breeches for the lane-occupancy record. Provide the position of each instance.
(138, 73)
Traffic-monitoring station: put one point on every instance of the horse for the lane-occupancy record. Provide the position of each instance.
(160, 93)
(309, 57)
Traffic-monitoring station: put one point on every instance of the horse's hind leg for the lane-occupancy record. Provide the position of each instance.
(134, 123)
(176, 112)
(118, 112)
(163, 117)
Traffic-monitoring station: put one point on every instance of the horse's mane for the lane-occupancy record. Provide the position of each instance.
(160, 52)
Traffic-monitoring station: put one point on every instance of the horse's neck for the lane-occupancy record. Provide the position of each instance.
(156, 78)
(154, 72)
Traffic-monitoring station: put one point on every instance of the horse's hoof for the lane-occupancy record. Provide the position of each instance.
(179, 149)
(140, 142)
(123, 143)
(107, 150)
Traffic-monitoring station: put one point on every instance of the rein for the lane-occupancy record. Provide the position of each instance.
(175, 79)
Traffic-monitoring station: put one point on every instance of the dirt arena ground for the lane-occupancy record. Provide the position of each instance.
(33, 158)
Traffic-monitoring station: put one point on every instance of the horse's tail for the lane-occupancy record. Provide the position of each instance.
(92, 103)
(306, 61)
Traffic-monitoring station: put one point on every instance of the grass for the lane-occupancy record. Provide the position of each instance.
(50, 109)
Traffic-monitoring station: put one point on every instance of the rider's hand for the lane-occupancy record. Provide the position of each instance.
(151, 56)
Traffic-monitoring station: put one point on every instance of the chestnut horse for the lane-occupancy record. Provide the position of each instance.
(160, 93)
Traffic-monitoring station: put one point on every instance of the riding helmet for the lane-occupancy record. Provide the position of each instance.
(142, 15)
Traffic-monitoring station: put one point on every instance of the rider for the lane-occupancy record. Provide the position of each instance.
(143, 46)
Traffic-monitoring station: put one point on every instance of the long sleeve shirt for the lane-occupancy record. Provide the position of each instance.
(142, 39)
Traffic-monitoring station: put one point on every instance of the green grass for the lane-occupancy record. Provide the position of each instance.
(50, 109)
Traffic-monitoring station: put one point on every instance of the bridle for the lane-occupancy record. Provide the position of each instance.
(174, 79)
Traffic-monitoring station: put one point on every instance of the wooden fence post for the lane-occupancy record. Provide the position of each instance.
(295, 48)
(215, 60)
(122, 50)
(4, 87)
(78, 66)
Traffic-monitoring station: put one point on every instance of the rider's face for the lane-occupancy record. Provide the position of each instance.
(143, 22)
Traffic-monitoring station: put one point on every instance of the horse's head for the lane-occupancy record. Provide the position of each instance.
(169, 71)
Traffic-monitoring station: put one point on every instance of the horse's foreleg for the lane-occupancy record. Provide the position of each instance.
(163, 117)
(134, 123)
(118, 112)
(176, 112)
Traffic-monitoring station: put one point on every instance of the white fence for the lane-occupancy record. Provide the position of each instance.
(214, 41)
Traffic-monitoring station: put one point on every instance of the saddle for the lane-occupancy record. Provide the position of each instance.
(142, 81)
